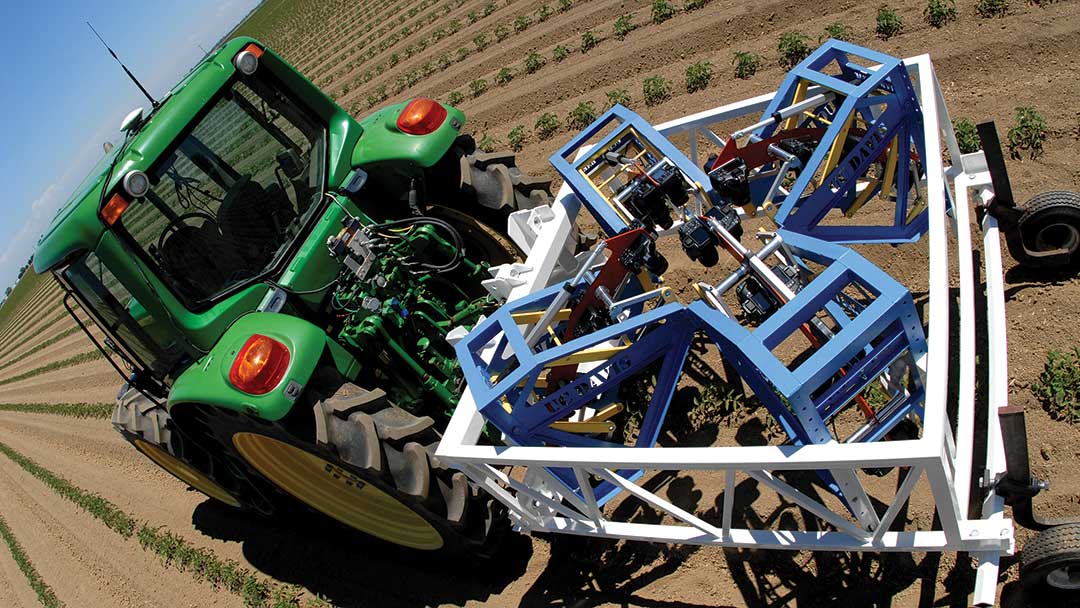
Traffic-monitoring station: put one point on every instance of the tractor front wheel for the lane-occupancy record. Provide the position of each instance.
(147, 426)
(373, 469)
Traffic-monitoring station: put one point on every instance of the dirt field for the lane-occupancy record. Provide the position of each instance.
(987, 68)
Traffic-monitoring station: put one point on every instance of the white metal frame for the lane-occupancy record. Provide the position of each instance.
(942, 455)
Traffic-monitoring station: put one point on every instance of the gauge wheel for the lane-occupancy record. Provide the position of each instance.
(148, 427)
(1052, 221)
(373, 468)
(1052, 559)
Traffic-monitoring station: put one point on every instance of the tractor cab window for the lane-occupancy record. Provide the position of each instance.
(123, 318)
(232, 195)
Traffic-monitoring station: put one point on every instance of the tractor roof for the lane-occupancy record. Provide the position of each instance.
(76, 226)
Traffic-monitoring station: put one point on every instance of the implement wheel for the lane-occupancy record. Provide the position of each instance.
(148, 427)
(1052, 559)
(1052, 222)
(373, 469)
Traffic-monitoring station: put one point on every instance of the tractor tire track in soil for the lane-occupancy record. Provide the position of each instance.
(85, 562)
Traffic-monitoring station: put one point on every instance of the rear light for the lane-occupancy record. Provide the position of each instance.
(260, 365)
(247, 60)
(113, 209)
(421, 116)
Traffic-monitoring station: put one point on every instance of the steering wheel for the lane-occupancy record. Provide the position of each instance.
(179, 220)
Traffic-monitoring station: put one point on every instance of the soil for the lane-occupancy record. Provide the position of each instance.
(987, 67)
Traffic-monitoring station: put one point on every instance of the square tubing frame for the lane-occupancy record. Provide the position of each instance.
(941, 456)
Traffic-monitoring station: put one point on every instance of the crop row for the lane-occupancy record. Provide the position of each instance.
(25, 307)
(349, 56)
(39, 346)
(55, 365)
(481, 41)
(30, 332)
(172, 549)
(70, 410)
(44, 593)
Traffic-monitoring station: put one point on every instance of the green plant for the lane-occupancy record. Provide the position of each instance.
(394, 59)
(698, 76)
(487, 143)
(455, 97)
(444, 61)
(462, 53)
(564, 5)
(693, 5)
(989, 9)
(1029, 132)
(618, 96)
(522, 23)
(70, 410)
(533, 62)
(889, 23)
(746, 64)
(504, 76)
(967, 137)
(624, 25)
(501, 33)
(48, 367)
(939, 13)
(712, 404)
(581, 116)
(543, 13)
(477, 87)
(516, 137)
(793, 48)
(45, 594)
(662, 10)
(481, 41)
(588, 41)
(656, 90)
(488, 9)
(1058, 387)
(838, 31)
(546, 125)
(559, 53)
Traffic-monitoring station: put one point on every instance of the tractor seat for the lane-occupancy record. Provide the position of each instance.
(254, 219)
(199, 260)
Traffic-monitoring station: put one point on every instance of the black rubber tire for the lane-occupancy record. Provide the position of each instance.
(1051, 221)
(362, 436)
(148, 427)
(1052, 559)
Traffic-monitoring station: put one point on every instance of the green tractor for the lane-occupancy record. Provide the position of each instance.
(275, 282)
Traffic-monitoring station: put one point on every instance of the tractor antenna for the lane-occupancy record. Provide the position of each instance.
(153, 102)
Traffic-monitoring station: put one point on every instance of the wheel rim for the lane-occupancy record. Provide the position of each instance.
(1057, 236)
(186, 473)
(1066, 577)
(336, 492)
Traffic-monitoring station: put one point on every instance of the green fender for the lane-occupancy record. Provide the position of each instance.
(382, 142)
(207, 381)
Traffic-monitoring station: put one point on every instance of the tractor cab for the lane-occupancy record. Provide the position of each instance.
(183, 226)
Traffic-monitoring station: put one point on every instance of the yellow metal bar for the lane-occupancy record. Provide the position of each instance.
(861, 200)
(599, 353)
(890, 169)
(835, 151)
(800, 94)
(584, 427)
(811, 115)
(607, 412)
(528, 318)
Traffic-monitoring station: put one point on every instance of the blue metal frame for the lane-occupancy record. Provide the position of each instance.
(886, 101)
(564, 162)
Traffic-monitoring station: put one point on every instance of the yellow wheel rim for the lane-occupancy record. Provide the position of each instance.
(336, 492)
(186, 473)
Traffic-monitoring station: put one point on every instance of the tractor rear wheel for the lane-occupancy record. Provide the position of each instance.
(1052, 559)
(373, 469)
(147, 426)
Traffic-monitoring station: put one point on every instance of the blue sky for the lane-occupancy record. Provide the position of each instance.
(62, 96)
